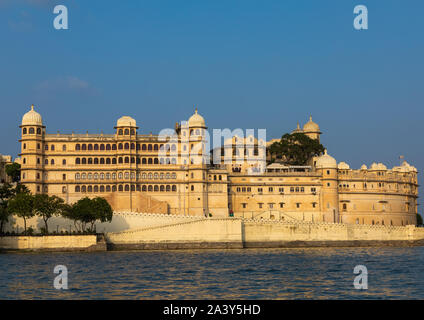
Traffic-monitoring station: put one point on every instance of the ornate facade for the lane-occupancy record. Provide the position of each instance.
(134, 173)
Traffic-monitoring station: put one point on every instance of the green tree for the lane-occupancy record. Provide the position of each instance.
(13, 170)
(87, 211)
(419, 220)
(6, 192)
(47, 207)
(21, 188)
(102, 211)
(295, 149)
(22, 205)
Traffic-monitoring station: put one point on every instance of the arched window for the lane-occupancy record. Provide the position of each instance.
(113, 146)
(174, 188)
(52, 147)
(102, 160)
(83, 161)
(168, 188)
(96, 146)
(64, 162)
(107, 160)
(96, 189)
(138, 187)
(64, 147)
(90, 146)
(132, 146)
(38, 130)
(120, 176)
(107, 188)
(31, 131)
(192, 188)
(96, 160)
(155, 176)
(46, 147)
(127, 132)
(156, 188)
(138, 160)
(156, 147)
(120, 188)
(127, 160)
(83, 176)
(132, 160)
(127, 146)
(156, 161)
(173, 147)
(150, 161)
(162, 188)
(77, 176)
(138, 146)
(150, 188)
(132, 187)
(77, 189)
(144, 189)
(120, 132)
(102, 188)
(102, 146)
(90, 161)
(83, 189)
(120, 160)
(120, 146)
(143, 147)
(89, 189)
(113, 160)
(24, 131)
(143, 161)
(149, 147)
(83, 146)
(108, 147)
(113, 176)
(52, 162)
(174, 175)
(77, 161)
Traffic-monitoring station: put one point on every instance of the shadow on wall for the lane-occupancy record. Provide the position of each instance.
(118, 223)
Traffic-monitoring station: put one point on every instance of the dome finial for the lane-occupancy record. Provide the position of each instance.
(298, 125)
(32, 107)
(195, 109)
(310, 118)
(325, 151)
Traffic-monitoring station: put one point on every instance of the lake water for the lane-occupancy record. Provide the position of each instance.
(318, 273)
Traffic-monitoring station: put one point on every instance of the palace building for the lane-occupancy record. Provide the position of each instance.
(138, 172)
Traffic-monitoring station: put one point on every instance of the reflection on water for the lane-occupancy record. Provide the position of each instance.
(316, 273)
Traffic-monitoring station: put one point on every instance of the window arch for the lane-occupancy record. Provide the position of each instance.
(83, 161)
(127, 146)
(90, 146)
(102, 146)
(31, 131)
(108, 147)
(127, 132)
(174, 188)
(144, 188)
(77, 189)
(24, 131)
(83, 146)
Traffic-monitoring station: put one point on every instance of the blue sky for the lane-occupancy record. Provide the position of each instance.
(245, 64)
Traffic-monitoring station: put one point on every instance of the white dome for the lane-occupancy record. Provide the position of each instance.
(32, 118)
(381, 166)
(374, 166)
(196, 120)
(363, 167)
(126, 121)
(326, 161)
(343, 165)
(311, 126)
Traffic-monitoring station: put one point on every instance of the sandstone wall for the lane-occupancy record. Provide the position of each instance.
(48, 242)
